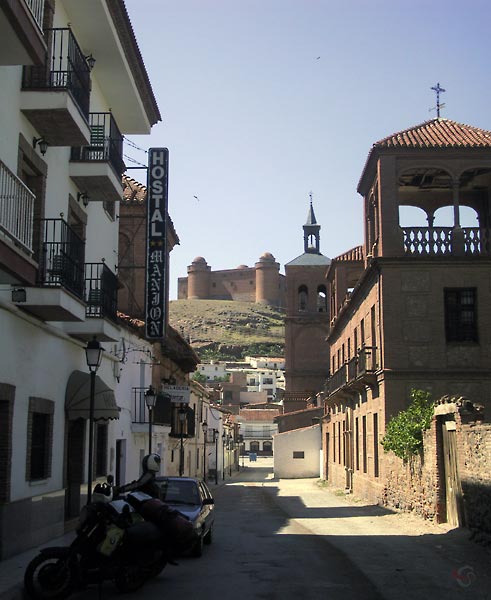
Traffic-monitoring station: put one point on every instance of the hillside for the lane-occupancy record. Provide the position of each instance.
(227, 330)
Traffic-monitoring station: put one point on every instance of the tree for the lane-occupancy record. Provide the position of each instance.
(404, 432)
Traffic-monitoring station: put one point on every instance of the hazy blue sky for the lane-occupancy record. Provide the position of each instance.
(255, 121)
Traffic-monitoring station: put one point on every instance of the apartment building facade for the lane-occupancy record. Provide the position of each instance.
(63, 115)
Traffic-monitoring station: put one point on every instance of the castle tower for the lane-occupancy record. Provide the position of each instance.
(307, 316)
(199, 275)
(268, 280)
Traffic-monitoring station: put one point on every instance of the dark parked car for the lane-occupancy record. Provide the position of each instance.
(192, 498)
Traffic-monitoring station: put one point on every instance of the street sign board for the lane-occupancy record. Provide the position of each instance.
(179, 394)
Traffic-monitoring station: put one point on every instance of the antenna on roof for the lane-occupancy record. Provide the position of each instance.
(438, 91)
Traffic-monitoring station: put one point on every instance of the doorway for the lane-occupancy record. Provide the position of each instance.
(453, 490)
(75, 468)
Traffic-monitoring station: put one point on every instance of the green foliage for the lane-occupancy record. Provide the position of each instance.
(199, 377)
(404, 432)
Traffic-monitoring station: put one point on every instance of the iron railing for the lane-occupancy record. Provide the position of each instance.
(337, 380)
(139, 411)
(101, 291)
(438, 241)
(61, 262)
(106, 143)
(66, 68)
(16, 209)
(37, 10)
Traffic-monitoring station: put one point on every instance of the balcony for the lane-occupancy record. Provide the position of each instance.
(60, 283)
(21, 32)
(97, 168)
(354, 375)
(55, 97)
(101, 292)
(443, 241)
(16, 229)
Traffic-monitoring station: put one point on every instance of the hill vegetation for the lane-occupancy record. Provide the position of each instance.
(228, 330)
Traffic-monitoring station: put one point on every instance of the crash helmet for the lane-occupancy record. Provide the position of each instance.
(103, 492)
(151, 463)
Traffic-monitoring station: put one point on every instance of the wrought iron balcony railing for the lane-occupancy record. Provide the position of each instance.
(66, 69)
(37, 10)
(61, 260)
(438, 241)
(101, 291)
(337, 380)
(106, 143)
(16, 209)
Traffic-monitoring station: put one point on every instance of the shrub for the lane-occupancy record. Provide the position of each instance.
(404, 432)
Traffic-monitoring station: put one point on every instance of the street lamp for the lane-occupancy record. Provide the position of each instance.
(224, 435)
(229, 437)
(150, 399)
(182, 419)
(93, 355)
(215, 439)
(204, 426)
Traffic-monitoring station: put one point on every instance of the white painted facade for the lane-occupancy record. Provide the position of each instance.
(297, 453)
(44, 336)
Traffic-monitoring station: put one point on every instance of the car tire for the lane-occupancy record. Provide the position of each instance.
(208, 537)
(197, 550)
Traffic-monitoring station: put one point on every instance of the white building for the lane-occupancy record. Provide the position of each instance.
(62, 117)
(297, 453)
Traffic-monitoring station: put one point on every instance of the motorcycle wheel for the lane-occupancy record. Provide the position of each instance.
(49, 577)
(130, 578)
(157, 565)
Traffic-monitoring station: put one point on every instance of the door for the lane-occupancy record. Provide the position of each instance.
(453, 491)
(120, 462)
(75, 467)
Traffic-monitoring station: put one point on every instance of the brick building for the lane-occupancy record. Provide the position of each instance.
(411, 307)
(307, 319)
(262, 283)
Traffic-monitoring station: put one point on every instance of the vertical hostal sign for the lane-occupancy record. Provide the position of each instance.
(156, 257)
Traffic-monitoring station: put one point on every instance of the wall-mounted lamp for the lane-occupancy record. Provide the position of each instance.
(90, 61)
(84, 197)
(43, 144)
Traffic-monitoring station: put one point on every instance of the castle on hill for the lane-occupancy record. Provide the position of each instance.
(262, 283)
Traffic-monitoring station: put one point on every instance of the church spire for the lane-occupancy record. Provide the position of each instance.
(311, 237)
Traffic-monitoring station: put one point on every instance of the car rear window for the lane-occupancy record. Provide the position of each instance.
(185, 492)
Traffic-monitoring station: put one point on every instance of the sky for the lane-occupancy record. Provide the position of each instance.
(266, 101)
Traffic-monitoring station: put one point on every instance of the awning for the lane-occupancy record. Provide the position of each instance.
(77, 398)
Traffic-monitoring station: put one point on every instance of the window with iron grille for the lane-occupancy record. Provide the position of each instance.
(39, 439)
(101, 451)
(461, 315)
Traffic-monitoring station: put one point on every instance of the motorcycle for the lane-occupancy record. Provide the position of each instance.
(113, 542)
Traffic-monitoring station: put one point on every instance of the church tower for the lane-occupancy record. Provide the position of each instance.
(307, 318)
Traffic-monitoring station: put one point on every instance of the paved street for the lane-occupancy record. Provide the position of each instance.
(291, 538)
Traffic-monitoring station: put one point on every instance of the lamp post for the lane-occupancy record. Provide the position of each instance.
(215, 439)
(204, 426)
(223, 455)
(229, 457)
(182, 419)
(150, 399)
(93, 355)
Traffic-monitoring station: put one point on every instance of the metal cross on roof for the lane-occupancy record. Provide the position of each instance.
(438, 91)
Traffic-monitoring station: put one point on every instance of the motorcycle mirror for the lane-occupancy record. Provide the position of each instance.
(110, 479)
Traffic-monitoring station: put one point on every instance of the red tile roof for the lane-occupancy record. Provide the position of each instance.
(438, 133)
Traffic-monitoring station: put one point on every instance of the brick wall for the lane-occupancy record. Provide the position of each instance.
(419, 487)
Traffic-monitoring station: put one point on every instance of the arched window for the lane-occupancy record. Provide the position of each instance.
(254, 447)
(321, 299)
(303, 298)
(268, 447)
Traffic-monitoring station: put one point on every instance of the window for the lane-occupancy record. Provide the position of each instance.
(303, 298)
(460, 315)
(298, 454)
(39, 438)
(321, 299)
(101, 450)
